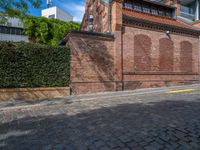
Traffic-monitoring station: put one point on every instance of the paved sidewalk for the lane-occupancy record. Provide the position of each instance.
(150, 119)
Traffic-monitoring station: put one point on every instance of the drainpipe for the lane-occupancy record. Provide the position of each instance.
(197, 10)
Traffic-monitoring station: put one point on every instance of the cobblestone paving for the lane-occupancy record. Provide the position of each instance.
(130, 122)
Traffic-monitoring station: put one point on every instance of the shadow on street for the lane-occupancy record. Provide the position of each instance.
(160, 125)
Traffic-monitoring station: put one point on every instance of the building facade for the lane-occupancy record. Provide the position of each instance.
(57, 13)
(13, 31)
(129, 44)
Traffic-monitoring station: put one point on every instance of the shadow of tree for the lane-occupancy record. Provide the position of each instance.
(96, 55)
(166, 124)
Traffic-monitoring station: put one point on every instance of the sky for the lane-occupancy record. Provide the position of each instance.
(75, 7)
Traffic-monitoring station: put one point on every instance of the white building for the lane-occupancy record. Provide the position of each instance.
(13, 31)
(57, 13)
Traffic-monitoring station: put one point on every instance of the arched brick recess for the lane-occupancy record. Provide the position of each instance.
(142, 53)
(166, 49)
(186, 57)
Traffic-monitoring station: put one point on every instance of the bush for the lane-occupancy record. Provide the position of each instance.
(47, 31)
(33, 65)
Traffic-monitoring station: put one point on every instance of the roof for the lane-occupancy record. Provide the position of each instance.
(159, 20)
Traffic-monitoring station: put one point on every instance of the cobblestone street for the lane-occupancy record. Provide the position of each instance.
(151, 119)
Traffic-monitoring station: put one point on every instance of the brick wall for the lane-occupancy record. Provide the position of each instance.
(92, 63)
(152, 58)
(99, 10)
(197, 24)
(135, 58)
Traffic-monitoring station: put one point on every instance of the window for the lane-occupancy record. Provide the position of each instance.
(161, 12)
(18, 31)
(168, 13)
(91, 19)
(3, 29)
(52, 16)
(128, 5)
(7, 30)
(189, 8)
(146, 9)
(11, 30)
(154, 10)
(137, 6)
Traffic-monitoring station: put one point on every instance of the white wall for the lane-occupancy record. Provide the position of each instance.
(49, 11)
(62, 15)
(59, 14)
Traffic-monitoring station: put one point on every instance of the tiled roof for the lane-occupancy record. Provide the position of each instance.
(155, 18)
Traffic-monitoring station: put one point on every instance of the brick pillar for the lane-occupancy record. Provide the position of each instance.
(199, 59)
(116, 20)
(116, 27)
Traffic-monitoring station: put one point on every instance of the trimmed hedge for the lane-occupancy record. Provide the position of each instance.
(33, 65)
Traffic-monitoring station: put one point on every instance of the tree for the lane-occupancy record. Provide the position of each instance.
(16, 8)
(47, 31)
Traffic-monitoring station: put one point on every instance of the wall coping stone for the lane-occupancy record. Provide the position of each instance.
(33, 93)
(33, 89)
(107, 35)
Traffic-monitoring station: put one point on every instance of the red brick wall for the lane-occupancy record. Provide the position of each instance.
(136, 58)
(157, 59)
(99, 10)
(166, 54)
(186, 56)
(142, 56)
(197, 24)
(92, 63)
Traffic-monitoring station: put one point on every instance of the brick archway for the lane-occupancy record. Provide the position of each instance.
(166, 56)
(186, 56)
(142, 52)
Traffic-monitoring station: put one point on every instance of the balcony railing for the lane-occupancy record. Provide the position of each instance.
(188, 16)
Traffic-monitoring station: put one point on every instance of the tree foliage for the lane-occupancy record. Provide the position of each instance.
(16, 8)
(47, 31)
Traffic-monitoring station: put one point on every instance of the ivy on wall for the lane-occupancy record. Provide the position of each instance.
(47, 31)
(33, 65)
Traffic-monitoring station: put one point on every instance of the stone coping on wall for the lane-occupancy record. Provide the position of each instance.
(107, 36)
(159, 73)
(33, 93)
(98, 34)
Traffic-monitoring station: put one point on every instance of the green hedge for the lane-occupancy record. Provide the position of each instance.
(32, 65)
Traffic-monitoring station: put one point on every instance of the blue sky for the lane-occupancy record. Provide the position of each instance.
(74, 7)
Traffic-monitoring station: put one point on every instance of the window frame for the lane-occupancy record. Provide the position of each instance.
(148, 8)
